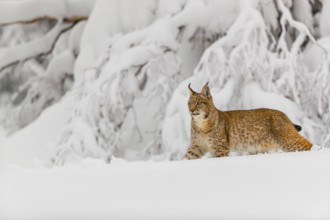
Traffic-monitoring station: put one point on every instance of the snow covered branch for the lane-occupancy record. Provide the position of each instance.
(286, 16)
(20, 53)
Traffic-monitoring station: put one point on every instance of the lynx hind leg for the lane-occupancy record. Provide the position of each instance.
(194, 152)
(290, 140)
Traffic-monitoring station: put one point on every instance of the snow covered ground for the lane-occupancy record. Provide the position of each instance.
(268, 186)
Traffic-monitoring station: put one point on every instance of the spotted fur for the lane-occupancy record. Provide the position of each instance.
(253, 131)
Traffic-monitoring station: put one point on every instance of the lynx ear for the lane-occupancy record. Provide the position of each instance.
(206, 90)
(190, 90)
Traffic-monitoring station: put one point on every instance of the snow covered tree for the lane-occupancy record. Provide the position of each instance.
(131, 62)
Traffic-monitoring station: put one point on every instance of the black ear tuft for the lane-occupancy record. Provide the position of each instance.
(206, 90)
(190, 89)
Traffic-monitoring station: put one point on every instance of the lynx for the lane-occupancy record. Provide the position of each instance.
(253, 131)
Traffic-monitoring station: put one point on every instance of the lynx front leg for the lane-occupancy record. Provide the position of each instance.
(219, 149)
(194, 152)
(219, 152)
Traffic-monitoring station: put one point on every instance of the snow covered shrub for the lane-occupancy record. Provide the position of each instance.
(121, 104)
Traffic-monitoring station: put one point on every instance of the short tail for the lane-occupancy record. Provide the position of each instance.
(297, 127)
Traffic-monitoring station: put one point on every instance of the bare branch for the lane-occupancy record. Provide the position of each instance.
(72, 19)
(30, 10)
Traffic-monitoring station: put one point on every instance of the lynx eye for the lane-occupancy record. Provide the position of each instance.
(201, 105)
(193, 106)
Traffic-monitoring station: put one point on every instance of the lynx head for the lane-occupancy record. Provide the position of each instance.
(200, 104)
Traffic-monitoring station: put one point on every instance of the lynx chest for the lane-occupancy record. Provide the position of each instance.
(202, 140)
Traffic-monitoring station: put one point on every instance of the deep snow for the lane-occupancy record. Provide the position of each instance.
(268, 186)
